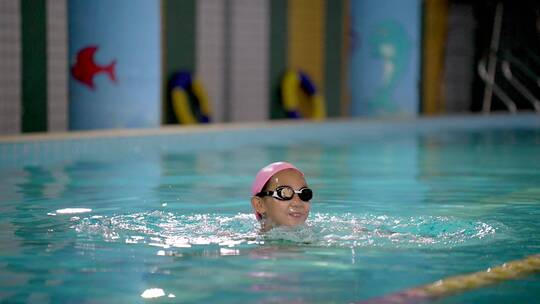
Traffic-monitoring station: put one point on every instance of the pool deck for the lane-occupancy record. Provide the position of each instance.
(494, 120)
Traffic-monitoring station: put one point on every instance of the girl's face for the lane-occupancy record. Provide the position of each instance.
(278, 212)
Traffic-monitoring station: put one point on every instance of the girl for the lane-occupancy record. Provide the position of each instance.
(280, 196)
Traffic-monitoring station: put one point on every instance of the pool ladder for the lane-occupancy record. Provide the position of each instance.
(487, 68)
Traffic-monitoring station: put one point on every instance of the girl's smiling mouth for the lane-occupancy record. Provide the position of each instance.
(296, 214)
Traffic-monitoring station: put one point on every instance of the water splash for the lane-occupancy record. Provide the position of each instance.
(169, 230)
(391, 231)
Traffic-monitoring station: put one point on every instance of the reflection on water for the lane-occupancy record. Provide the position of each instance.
(33, 238)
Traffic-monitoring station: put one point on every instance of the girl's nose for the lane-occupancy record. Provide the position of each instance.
(296, 201)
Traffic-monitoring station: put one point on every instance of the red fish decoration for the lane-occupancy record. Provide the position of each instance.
(85, 68)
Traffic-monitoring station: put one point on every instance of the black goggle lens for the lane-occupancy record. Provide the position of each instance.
(305, 194)
(287, 193)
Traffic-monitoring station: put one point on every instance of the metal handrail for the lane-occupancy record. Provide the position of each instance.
(492, 60)
(514, 61)
(487, 70)
(507, 72)
(485, 76)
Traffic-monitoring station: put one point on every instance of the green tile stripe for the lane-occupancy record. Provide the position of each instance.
(333, 52)
(34, 65)
(278, 54)
(178, 43)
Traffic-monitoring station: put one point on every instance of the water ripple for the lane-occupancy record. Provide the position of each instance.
(169, 230)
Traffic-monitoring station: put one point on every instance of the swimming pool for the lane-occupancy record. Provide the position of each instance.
(164, 215)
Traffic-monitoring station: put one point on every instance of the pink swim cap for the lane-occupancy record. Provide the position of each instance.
(266, 173)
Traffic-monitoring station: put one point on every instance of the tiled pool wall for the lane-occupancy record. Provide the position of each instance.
(48, 149)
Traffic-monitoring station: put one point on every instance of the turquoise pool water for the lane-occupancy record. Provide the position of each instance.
(166, 218)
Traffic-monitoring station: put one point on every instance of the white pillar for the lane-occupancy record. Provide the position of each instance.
(249, 60)
(10, 67)
(57, 66)
(209, 50)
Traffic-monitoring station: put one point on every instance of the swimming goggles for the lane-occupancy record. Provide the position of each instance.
(285, 193)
